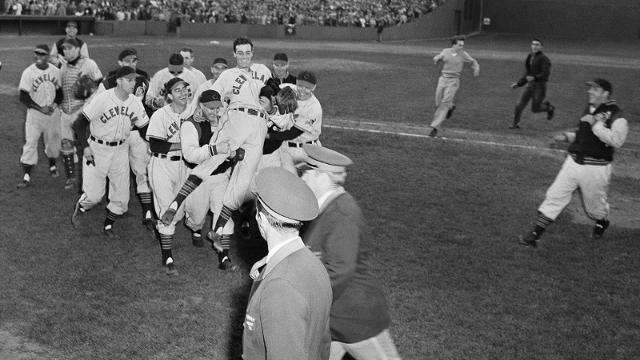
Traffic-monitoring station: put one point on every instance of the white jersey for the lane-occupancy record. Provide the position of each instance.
(198, 76)
(111, 119)
(165, 124)
(308, 118)
(242, 87)
(71, 73)
(204, 86)
(190, 140)
(41, 85)
(156, 84)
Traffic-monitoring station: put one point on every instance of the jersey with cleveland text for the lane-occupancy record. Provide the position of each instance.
(242, 87)
(111, 119)
(41, 85)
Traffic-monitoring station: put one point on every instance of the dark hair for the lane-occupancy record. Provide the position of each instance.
(241, 41)
(455, 39)
(186, 49)
(536, 39)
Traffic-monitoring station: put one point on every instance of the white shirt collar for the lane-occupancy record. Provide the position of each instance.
(278, 247)
(322, 199)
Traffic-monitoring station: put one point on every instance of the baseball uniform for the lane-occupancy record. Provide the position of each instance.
(156, 85)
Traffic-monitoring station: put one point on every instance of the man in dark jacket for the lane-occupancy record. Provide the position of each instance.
(538, 68)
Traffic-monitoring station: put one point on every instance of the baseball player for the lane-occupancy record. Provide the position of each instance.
(281, 69)
(57, 51)
(155, 96)
(453, 60)
(187, 55)
(247, 129)
(601, 129)
(139, 154)
(75, 67)
(217, 67)
(109, 118)
(167, 171)
(537, 70)
(41, 93)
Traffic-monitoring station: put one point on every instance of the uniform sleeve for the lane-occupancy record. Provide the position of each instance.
(191, 149)
(440, 56)
(84, 50)
(156, 126)
(26, 80)
(283, 311)
(93, 109)
(311, 121)
(94, 71)
(615, 136)
(474, 64)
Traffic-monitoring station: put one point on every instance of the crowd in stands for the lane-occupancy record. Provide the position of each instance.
(360, 13)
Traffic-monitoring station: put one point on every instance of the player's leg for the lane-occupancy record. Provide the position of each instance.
(538, 104)
(594, 186)
(450, 87)
(138, 160)
(52, 141)
(29, 158)
(525, 96)
(68, 148)
(196, 208)
(220, 242)
(119, 178)
(94, 181)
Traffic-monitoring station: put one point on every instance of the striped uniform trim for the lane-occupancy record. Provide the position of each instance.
(225, 241)
(145, 198)
(166, 241)
(543, 221)
(225, 213)
(589, 160)
(188, 187)
(111, 216)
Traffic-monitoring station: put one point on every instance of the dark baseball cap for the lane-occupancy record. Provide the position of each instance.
(42, 49)
(307, 76)
(169, 85)
(72, 23)
(210, 97)
(71, 41)
(220, 61)
(280, 57)
(126, 71)
(127, 52)
(601, 83)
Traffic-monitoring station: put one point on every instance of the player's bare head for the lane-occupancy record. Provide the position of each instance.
(218, 66)
(128, 57)
(41, 55)
(306, 84)
(210, 103)
(71, 28)
(241, 41)
(280, 64)
(71, 49)
(177, 90)
(126, 79)
(243, 52)
(176, 64)
(458, 40)
(536, 45)
(187, 55)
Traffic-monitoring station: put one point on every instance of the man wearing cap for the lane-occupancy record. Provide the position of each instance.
(308, 121)
(281, 69)
(74, 67)
(340, 238)
(41, 93)
(138, 147)
(217, 67)
(601, 129)
(109, 119)
(167, 170)
(189, 58)
(57, 52)
(287, 316)
(155, 95)
(247, 128)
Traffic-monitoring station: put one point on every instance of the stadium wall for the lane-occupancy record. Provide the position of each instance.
(577, 19)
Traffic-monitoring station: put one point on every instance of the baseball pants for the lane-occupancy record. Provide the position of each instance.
(207, 196)
(166, 178)
(593, 181)
(379, 347)
(139, 157)
(445, 93)
(36, 125)
(111, 162)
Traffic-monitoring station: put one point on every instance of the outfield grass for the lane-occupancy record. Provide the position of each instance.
(444, 216)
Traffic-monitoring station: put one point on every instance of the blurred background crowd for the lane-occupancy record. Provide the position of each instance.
(360, 13)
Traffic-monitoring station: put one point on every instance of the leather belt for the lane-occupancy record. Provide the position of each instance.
(108, 143)
(300, 144)
(165, 156)
(252, 112)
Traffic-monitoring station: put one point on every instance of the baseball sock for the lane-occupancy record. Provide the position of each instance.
(165, 247)
(52, 162)
(146, 201)
(225, 215)
(189, 186)
(110, 219)
(27, 168)
(541, 225)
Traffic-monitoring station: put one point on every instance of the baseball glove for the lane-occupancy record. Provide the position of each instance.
(84, 87)
(141, 87)
(286, 100)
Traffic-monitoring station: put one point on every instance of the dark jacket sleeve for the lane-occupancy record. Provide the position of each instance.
(28, 101)
(143, 131)
(292, 133)
(58, 99)
(81, 129)
(159, 146)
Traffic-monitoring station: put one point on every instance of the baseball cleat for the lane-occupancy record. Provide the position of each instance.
(75, 217)
(196, 239)
(149, 223)
(69, 184)
(23, 183)
(108, 232)
(433, 133)
(171, 268)
(599, 228)
(168, 216)
(531, 240)
(53, 172)
(514, 126)
(226, 265)
(551, 112)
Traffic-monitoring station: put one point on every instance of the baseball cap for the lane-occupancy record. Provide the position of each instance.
(308, 77)
(210, 97)
(176, 62)
(601, 83)
(280, 58)
(42, 49)
(126, 71)
(324, 159)
(169, 85)
(72, 23)
(220, 62)
(127, 52)
(285, 196)
(73, 42)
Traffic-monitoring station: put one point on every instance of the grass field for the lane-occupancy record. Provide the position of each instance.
(445, 214)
